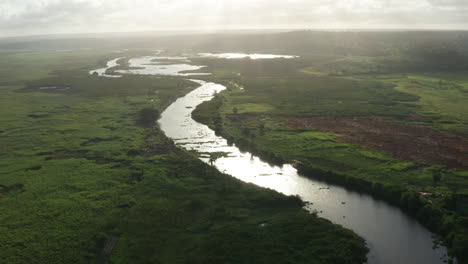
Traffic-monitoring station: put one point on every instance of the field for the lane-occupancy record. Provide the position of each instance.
(398, 134)
(86, 177)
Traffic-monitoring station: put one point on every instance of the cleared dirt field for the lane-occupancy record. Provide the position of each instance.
(411, 142)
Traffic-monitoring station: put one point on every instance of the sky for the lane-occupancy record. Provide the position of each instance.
(38, 17)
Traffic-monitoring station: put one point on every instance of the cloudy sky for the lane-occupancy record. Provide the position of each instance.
(33, 17)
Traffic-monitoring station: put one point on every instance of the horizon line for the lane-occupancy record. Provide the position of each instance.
(187, 31)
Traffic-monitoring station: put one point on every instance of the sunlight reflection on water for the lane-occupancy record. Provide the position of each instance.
(392, 236)
(254, 56)
(154, 65)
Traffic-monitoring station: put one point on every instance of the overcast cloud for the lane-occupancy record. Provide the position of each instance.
(26, 17)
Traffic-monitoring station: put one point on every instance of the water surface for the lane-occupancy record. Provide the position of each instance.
(156, 65)
(254, 56)
(102, 72)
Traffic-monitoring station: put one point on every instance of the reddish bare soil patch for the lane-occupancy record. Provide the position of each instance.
(410, 142)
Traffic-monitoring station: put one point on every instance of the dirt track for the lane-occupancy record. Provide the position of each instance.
(415, 143)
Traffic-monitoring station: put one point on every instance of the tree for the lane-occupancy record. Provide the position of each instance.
(436, 172)
(235, 110)
(246, 131)
(261, 128)
(148, 116)
(436, 177)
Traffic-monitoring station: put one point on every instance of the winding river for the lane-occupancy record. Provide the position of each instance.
(392, 236)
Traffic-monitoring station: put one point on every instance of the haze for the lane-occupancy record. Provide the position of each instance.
(33, 17)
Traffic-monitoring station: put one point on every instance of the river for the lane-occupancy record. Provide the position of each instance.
(102, 72)
(391, 235)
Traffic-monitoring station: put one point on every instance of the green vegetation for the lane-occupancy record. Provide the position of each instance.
(86, 178)
(299, 114)
(443, 98)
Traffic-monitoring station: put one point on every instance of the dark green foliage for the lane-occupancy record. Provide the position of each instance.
(323, 96)
(224, 225)
(148, 116)
(246, 249)
(436, 177)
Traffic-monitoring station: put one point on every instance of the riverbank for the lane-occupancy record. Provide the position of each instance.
(251, 117)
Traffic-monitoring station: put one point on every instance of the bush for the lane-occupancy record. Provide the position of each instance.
(148, 116)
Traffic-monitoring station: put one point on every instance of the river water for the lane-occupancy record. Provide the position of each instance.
(392, 236)
(102, 72)
(156, 65)
(254, 56)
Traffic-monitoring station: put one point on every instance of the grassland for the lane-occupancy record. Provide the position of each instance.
(443, 98)
(85, 177)
(369, 132)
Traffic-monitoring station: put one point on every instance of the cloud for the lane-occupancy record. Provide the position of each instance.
(70, 16)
